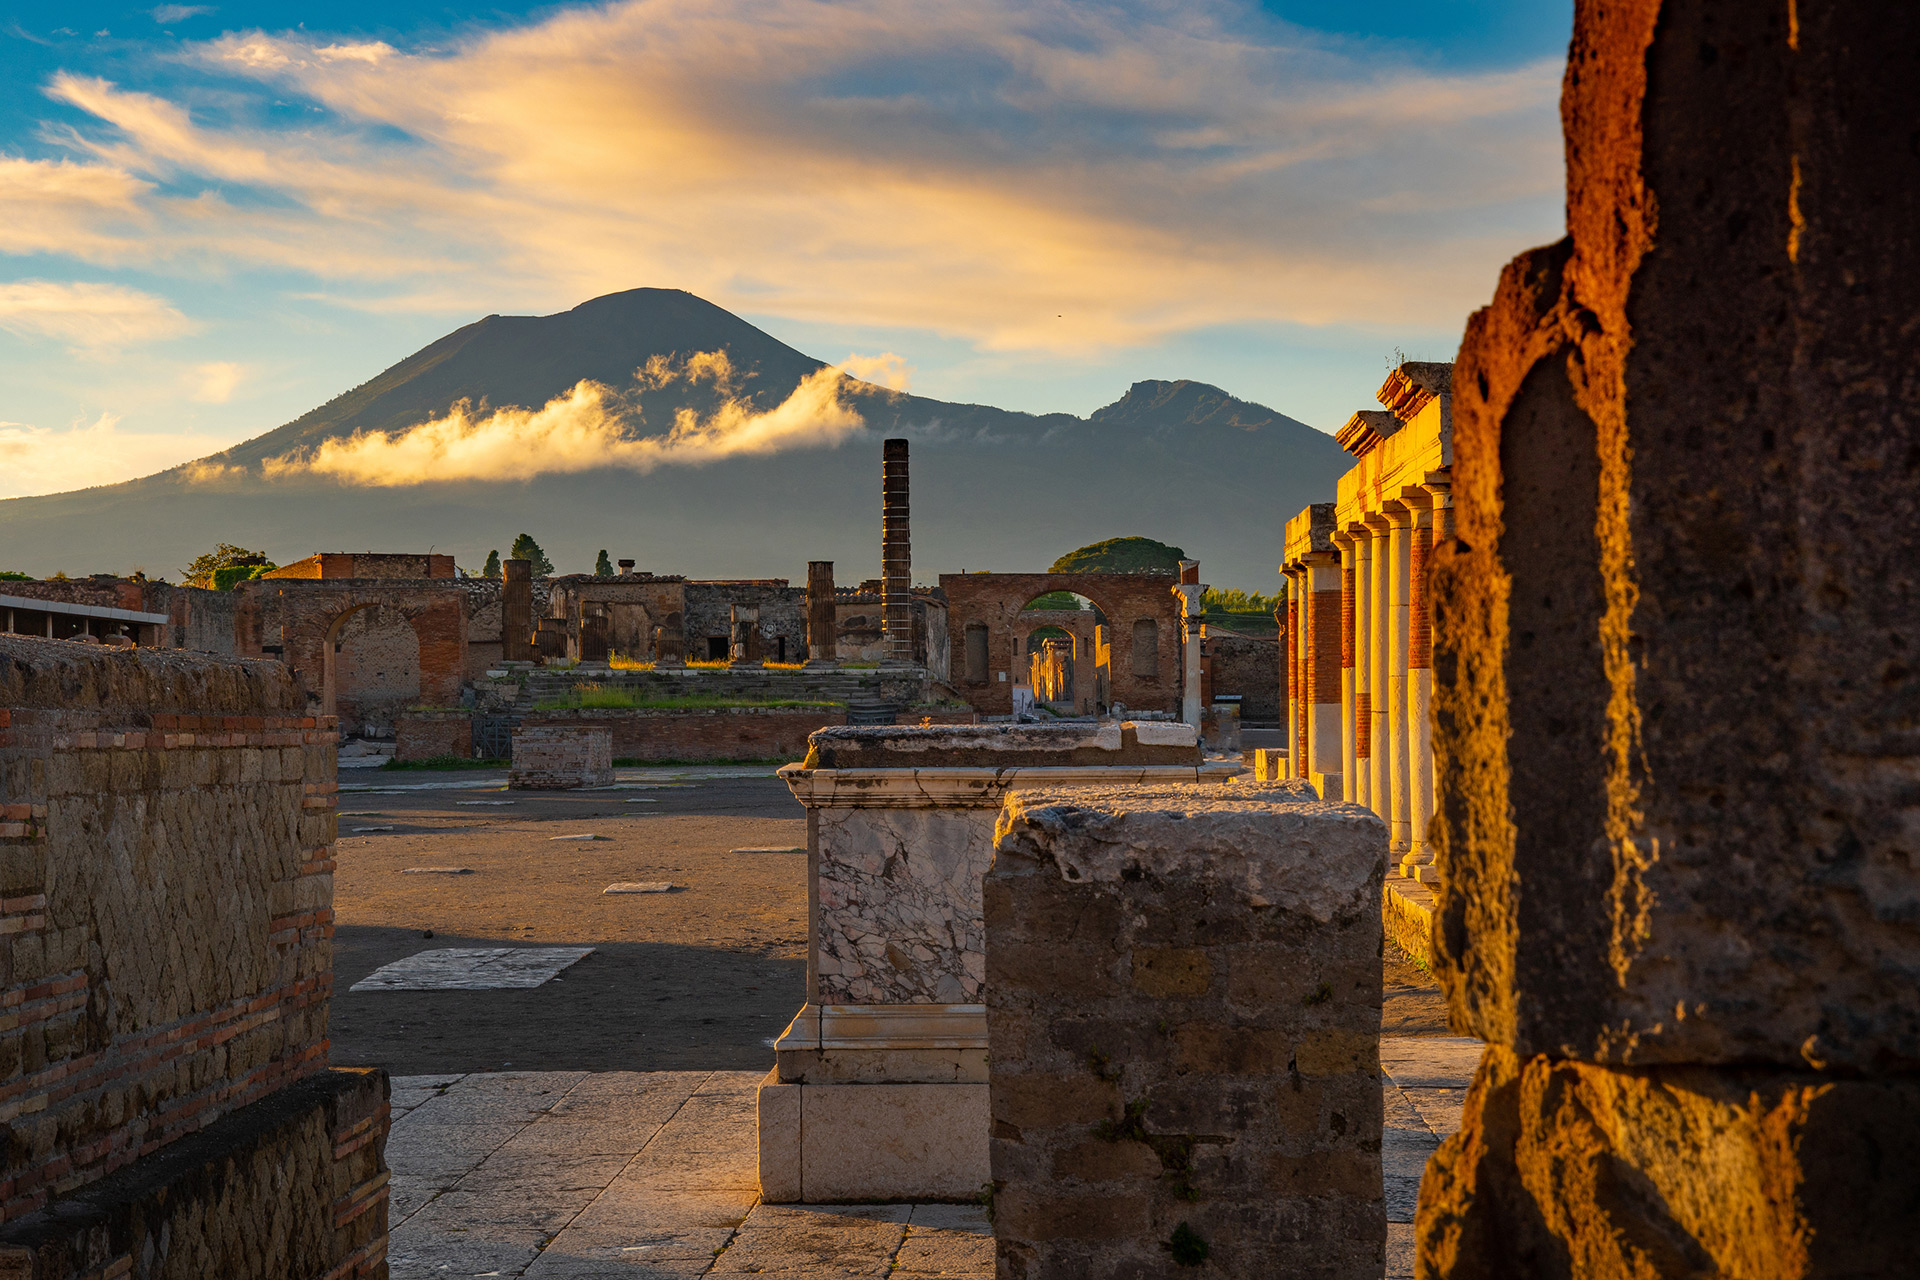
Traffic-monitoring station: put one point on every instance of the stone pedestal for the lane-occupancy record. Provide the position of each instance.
(1183, 1002)
(879, 1085)
(560, 758)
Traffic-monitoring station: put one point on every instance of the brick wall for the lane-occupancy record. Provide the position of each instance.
(745, 733)
(1183, 1006)
(1247, 666)
(166, 904)
(429, 736)
(557, 757)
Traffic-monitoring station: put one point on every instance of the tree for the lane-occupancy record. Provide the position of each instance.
(1234, 600)
(525, 548)
(603, 567)
(225, 556)
(492, 569)
(1121, 555)
(14, 575)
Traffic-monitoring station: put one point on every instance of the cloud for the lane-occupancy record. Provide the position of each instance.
(44, 460)
(88, 315)
(168, 14)
(214, 383)
(884, 370)
(590, 427)
(1046, 177)
(57, 206)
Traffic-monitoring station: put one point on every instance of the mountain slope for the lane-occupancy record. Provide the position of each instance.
(1180, 461)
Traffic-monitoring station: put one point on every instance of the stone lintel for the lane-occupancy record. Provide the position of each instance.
(945, 788)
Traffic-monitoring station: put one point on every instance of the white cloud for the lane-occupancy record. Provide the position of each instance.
(168, 14)
(44, 460)
(884, 370)
(88, 315)
(57, 206)
(590, 427)
(1041, 177)
(214, 383)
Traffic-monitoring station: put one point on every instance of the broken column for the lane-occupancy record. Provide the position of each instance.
(896, 556)
(1183, 1010)
(1193, 615)
(821, 629)
(1675, 691)
(516, 610)
(744, 646)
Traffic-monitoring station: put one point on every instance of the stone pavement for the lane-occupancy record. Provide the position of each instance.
(573, 1175)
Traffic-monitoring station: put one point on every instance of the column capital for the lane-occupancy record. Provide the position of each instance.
(1377, 523)
(1398, 515)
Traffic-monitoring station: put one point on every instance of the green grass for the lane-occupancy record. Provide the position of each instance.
(444, 762)
(600, 698)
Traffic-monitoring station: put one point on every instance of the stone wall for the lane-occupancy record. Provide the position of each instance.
(1248, 667)
(729, 733)
(783, 616)
(561, 757)
(1675, 700)
(1183, 1007)
(166, 895)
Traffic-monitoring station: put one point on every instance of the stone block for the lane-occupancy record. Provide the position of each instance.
(1569, 1169)
(1210, 1091)
(822, 1144)
(778, 1122)
(560, 758)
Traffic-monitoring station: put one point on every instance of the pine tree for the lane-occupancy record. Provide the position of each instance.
(603, 567)
(525, 548)
(492, 569)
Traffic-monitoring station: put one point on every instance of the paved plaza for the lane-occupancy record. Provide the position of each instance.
(636, 1175)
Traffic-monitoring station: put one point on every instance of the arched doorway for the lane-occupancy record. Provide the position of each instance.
(1061, 652)
(370, 665)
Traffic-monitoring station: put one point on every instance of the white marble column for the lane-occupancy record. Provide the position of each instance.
(1378, 628)
(1192, 610)
(1320, 654)
(1400, 544)
(1349, 781)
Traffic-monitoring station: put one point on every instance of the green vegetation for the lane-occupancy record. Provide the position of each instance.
(230, 576)
(492, 567)
(205, 568)
(1234, 600)
(1122, 555)
(525, 548)
(444, 762)
(597, 697)
(603, 567)
(14, 575)
(1055, 600)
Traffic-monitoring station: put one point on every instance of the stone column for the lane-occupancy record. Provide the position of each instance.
(744, 650)
(1322, 654)
(896, 555)
(516, 610)
(1290, 671)
(1360, 709)
(821, 630)
(1379, 614)
(1677, 694)
(1399, 566)
(1349, 785)
(1192, 593)
(1417, 862)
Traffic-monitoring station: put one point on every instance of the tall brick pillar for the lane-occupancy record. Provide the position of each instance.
(516, 610)
(1344, 548)
(896, 555)
(1676, 696)
(821, 634)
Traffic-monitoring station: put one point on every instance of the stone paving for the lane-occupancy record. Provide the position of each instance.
(641, 1175)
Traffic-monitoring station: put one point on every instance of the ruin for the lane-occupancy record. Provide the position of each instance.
(167, 823)
(1675, 698)
(879, 1089)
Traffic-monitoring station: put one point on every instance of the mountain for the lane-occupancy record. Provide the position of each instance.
(992, 488)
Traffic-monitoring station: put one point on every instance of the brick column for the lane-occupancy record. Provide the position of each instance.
(896, 555)
(1417, 862)
(1677, 693)
(516, 610)
(1399, 571)
(1379, 615)
(1343, 543)
(821, 629)
(1359, 712)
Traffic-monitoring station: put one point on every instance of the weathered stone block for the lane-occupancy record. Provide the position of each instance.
(1146, 1118)
(561, 758)
(1569, 1169)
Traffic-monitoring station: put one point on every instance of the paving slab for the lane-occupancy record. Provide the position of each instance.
(473, 969)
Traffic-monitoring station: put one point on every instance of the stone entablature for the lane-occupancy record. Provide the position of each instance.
(1357, 654)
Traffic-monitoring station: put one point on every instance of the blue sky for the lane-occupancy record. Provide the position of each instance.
(214, 217)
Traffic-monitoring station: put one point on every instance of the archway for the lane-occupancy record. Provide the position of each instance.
(372, 663)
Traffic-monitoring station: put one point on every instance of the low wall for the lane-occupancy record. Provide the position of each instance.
(744, 733)
(166, 910)
(561, 757)
(433, 735)
(1183, 1012)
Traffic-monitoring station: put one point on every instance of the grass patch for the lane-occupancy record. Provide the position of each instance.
(598, 697)
(443, 762)
(621, 662)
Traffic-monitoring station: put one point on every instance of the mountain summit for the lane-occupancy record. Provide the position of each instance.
(993, 488)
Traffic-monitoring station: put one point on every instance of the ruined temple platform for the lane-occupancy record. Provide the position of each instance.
(579, 1175)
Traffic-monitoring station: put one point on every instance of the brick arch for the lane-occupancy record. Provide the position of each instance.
(997, 600)
(307, 615)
